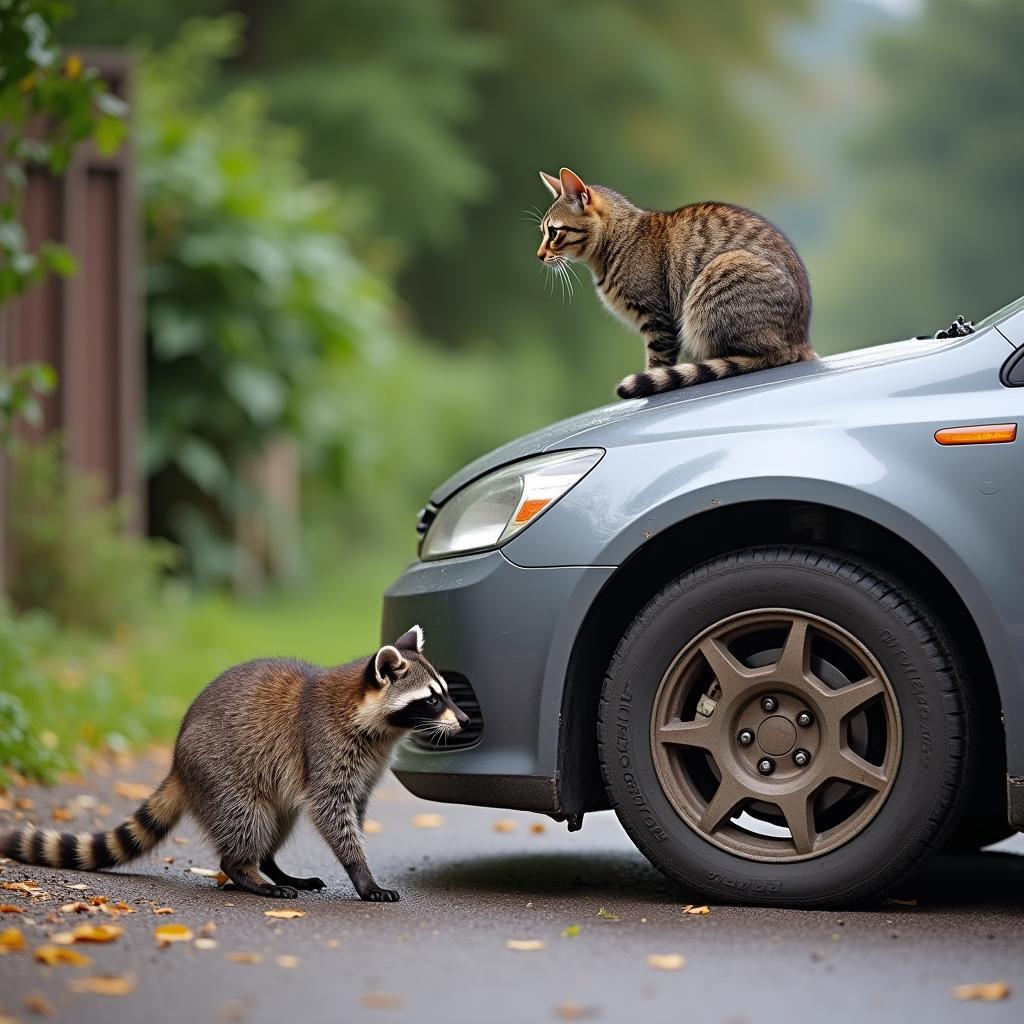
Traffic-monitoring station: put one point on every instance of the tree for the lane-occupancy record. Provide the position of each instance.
(937, 227)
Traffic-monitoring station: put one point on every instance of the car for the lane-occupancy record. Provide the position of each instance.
(775, 622)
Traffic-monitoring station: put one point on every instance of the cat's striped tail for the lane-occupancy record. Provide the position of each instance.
(684, 375)
(91, 851)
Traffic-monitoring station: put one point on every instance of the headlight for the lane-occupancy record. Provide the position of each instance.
(493, 509)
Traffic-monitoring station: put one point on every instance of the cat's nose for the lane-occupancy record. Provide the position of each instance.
(540, 255)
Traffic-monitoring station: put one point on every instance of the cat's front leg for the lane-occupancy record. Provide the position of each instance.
(662, 348)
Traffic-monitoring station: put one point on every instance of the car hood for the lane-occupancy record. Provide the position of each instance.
(620, 421)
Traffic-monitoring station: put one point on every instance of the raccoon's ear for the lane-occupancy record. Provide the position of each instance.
(573, 188)
(412, 640)
(388, 664)
(553, 184)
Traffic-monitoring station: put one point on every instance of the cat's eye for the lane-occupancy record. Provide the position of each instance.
(552, 231)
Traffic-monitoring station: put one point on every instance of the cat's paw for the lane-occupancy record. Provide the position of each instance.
(380, 896)
(636, 385)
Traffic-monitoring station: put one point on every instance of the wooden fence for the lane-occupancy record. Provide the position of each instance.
(87, 327)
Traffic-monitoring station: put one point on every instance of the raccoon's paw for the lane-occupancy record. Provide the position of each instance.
(380, 896)
(281, 892)
(636, 385)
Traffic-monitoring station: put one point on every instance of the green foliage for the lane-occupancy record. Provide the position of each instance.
(70, 554)
(252, 295)
(22, 745)
(936, 226)
(47, 106)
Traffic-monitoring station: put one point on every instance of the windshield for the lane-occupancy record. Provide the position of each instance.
(1001, 314)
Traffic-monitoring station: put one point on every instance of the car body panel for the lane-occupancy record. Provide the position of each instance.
(854, 432)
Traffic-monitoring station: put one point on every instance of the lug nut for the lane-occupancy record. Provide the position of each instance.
(805, 718)
(745, 738)
(769, 704)
(766, 766)
(801, 758)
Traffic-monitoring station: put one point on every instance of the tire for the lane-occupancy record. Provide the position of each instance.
(909, 740)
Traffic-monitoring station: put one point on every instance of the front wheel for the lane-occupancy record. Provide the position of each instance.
(780, 725)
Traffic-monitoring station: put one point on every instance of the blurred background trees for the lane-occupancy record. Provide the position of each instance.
(342, 301)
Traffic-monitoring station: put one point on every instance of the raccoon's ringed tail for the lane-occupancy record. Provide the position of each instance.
(89, 851)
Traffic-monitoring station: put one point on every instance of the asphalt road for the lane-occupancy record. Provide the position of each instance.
(470, 884)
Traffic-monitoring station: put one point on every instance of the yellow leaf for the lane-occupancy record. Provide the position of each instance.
(666, 961)
(57, 956)
(63, 938)
(77, 908)
(525, 945)
(167, 933)
(986, 991)
(133, 790)
(104, 984)
(246, 958)
(286, 960)
(371, 827)
(427, 821)
(163, 910)
(28, 887)
(504, 825)
(116, 909)
(10, 908)
(11, 940)
(699, 911)
(97, 933)
(285, 915)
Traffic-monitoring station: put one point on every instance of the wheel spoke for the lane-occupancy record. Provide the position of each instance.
(846, 766)
(701, 732)
(798, 810)
(849, 699)
(731, 675)
(729, 795)
(792, 663)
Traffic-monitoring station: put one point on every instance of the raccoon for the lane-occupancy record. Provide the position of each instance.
(264, 740)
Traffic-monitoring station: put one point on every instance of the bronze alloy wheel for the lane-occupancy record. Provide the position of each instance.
(776, 735)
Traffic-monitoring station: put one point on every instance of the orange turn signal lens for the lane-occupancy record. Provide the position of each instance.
(530, 508)
(986, 433)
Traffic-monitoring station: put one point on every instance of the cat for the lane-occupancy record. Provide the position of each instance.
(714, 281)
(262, 741)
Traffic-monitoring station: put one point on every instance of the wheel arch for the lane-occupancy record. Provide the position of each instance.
(714, 532)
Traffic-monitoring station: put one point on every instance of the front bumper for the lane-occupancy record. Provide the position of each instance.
(509, 631)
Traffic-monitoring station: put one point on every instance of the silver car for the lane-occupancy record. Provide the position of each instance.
(776, 622)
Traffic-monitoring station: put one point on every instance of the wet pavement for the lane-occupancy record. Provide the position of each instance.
(470, 883)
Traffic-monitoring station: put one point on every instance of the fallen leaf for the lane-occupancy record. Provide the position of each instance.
(371, 827)
(104, 984)
(57, 956)
(525, 945)
(28, 887)
(98, 901)
(116, 909)
(202, 943)
(245, 958)
(80, 886)
(427, 821)
(382, 1000)
(168, 933)
(205, 872)
(504, 825)
(571, 932)
(210, 928)
(574, 1011)
(63, 938)
(163, 910)
(37, 1003)
(666, 961)
(689, 908)
(11, 941)
(133, 790)
(97, 933)
(10, 908)
(286, 960)
(986, 991)
(608, 915)
(63, 814)
(538, 828)
(78, 908)
(284, 915)
(24, 803)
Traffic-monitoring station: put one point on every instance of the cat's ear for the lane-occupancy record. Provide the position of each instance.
(553, 184)
(412, 640)
(388, 664)
(573, 188)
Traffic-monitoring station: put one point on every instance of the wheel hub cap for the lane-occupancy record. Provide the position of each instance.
(832, 730)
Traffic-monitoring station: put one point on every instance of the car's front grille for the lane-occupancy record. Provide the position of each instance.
(462, 693)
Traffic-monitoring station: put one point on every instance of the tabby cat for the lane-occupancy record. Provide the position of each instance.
(714, 281)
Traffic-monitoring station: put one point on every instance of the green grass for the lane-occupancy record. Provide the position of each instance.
(133, 689)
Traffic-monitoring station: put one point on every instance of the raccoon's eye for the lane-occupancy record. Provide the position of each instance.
(431, 701)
